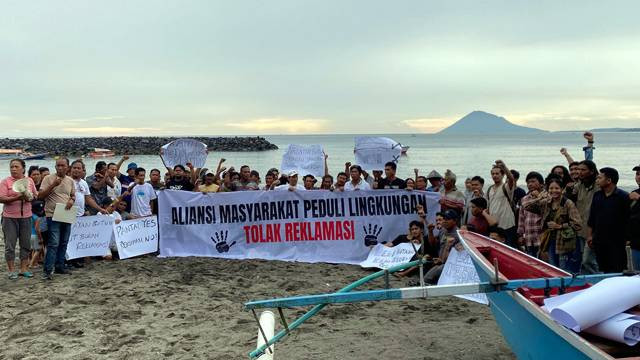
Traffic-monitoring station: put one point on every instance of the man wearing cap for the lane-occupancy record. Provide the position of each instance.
(292, 184)
(451, 198)
(633, 232)
(209, 185)
(435, 179)
(99, 184)
(447, 239)
(608, 221)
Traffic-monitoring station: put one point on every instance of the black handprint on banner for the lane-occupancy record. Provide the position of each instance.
(221, 241)
(371, 235)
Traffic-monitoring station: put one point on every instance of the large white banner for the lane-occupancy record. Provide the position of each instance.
(372, 153)
(183, 151)
(90, 236)
(383, 257)
(308, 226)
(136, 237)
(304, 159)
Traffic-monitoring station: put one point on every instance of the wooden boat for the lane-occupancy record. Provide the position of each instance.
(30, 156)
(9, 154)
(101, 153)
(516, 285)
(529, 330)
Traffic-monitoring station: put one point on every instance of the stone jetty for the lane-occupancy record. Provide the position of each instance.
(129, 145)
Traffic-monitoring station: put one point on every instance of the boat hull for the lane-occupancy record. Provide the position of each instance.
(528, 330)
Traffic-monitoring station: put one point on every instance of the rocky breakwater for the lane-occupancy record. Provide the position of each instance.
(130, 145)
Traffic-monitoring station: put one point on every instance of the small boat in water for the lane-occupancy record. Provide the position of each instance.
(10, 154)
(101, 153)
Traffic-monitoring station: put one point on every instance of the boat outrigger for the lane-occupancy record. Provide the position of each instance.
(516, 285)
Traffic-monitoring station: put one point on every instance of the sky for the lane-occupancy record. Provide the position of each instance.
(101, 68)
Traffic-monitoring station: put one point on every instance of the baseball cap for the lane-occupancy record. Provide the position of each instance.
(450, 215)
(637, 168)
(292, 173)
(132, 165)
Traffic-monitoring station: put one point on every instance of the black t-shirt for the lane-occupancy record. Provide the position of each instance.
(429, 250)
(397, 183)
(182, 184)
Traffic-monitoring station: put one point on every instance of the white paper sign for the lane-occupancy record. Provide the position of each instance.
(305, 159)
(61, 214)
(372, 153)
(383, 257)
(136, 237)
(623, 327)
(90, 236)
(596, 304)
(459, 269)
(183, 151)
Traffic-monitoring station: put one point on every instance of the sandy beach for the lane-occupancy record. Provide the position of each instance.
(191, 308)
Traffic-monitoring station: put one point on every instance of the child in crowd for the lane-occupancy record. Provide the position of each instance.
(122, 210)
(39, 233)
(109, 207)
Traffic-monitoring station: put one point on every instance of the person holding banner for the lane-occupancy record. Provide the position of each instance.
(447, 239)
(57, 188)
(391, 181)
(356, 183)
(179, 179)
(16, 217)
(292, 184)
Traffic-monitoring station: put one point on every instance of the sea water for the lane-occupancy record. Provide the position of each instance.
(466, 156)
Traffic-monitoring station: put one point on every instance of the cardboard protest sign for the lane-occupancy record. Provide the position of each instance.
(383, 257)
(304, 159)
(90, 236)
(183, 151)
(459, 269)
(136, 237)
(372, 153)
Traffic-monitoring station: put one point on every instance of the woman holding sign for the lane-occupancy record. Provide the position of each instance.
(16, 193)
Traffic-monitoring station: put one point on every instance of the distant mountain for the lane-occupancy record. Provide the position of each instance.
(480, 122)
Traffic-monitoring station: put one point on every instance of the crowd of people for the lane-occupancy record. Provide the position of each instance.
(575, 217)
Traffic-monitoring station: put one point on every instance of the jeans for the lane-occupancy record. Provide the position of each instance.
(57, 245)
(589, 263)
(533, 250)
(635, 259)
(569, 262)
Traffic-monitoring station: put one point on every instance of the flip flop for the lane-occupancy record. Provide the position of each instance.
(27, 274)
(13, 275)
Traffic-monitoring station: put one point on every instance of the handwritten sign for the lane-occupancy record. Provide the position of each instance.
(459, 269)
(383, 257)
(90, 236)
(136, 237)
(305, 159)
(373, 152)
(183, 151)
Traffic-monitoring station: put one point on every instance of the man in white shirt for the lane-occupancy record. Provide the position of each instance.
(500, 198)
(292, 183)
(356, 183)
(112, 174)
(141, 194)
(83, 194)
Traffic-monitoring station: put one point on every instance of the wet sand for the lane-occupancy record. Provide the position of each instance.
(191, 308)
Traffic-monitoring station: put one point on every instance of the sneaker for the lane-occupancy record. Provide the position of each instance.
(47, 276)
(13, 275)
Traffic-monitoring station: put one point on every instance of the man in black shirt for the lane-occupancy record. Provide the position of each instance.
(633, 231)
(391, 181)
(607, 223)
(179, 180)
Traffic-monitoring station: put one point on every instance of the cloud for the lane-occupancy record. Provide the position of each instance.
(110, 130)
(428, 125)
(93, 118)
(280, 125)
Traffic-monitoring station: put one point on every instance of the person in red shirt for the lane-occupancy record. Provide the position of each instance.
(480, 221)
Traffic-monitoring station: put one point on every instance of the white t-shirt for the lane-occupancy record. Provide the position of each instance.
(116, 190)
(362, 185)
(499, 206)
(141, 196)
(285, 187)
(82, 190)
